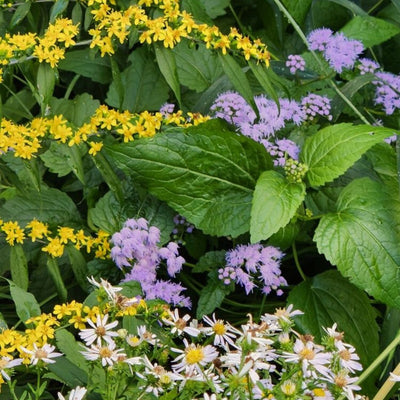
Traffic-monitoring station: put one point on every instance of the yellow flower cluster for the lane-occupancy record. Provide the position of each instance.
(55, 243)
(169, 29)
(25, 140)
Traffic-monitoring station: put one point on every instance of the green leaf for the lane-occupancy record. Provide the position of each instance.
(49, 205)
(19, 14)
(46, 80)
(68, 373)
(370, 30)
(76, 14)
(197, 67)
(210, 261)
(57, 9)
(19, 267)
(298, 9)
(199, 172)
(215, 8)
(144, 86)
(56, 159)
(67, 344)
(77, 111)
(332, 150)
(238, 78)
(167, 64)
(261, 73)
(78, 265)
(354, 8)
(275, 202)
(17, 106)
(87, 64)
(285, 237)
(55, 273)
(362, 239)
(25, 303)
(328, 298)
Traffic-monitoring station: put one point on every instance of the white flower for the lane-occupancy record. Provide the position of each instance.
(309, 354)
(76, 394)
(343, 381)
(193, 357)
(45, 353)
(108, 354)
(99, 331)
(7, 363)
(108, 288)
(394, 377)
(179, 325)
(333, 333)
(281, 314)
(223, 332)
(347, 357)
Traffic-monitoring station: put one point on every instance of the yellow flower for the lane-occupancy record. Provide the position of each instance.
(55, 248)
(13, 232)
(95, 147)
(38, 230)
(66, 234)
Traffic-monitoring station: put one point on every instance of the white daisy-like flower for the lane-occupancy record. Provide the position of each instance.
(8, 363)
(45, 353)
(309, 354)
(281, 314)
(99, 331)
(252, 332)
(76, 394)
(347, 357)
(333, 333)
(342, 380)
(108, 354)
(108, 288)
(180, 325)
(223, 332)
(193, 357)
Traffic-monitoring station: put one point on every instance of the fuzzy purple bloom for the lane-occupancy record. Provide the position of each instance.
(318, 39)
(314, 105)
(136, 247)
(295, 63)
(167, 109)
(387, 91)
(245, 263)
(367, 66)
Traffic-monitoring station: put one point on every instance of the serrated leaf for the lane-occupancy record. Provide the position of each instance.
(58, 8)
(369, 30)
(197, 67)
(238, 78)
(49, 205)
(144, 86)
(25, 303)
(362, 239)
(55, 159)
(334, 149)
(87, 64)
(199, 172)
(55, 273)
(19, 14)
(19, 267)
(275, 202)
(167, 64)
(328, 298)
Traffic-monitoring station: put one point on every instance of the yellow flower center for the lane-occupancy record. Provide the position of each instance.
(165, 379)
(219, 328)
(345, 355)
(40, 354)
(3, 364)
(194, 355)
(288, 388)
(318, 392)
(105, 352)
(307, 354)
(100, 331)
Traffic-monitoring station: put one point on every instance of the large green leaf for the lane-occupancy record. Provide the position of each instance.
(334, 149)
(87, 64)
(275, 202)
(25, 303)
(19, 267)
(144, 86)
(328, 298)
(215, 8)
(197, 67)
(49, 205)
(298, 9)
(362, 238)
(206, 173)
(370, 30)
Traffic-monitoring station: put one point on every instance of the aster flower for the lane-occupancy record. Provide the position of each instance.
(367, 66)
(44, 353)
(343, 381)
(318, 39)
(107, 287)
(295, 63)
(315, 105)
(224, 334)
(387, 91)
(180, 324)
(76, 394)
(107, 354)
(99, 331)
(8, 363)
(348, 358)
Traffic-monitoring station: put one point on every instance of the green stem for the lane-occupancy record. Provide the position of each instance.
(385, 353)
(375, 6)
(314, 54)
(71, 86)
(20, 102)
(12, 391)
(297, 263)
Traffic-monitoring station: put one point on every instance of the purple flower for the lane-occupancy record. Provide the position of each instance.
(167, 109)
(136, 247)
(367, 66)
(387, 91)
(248, 264)
(318, 39)
(314, 105)
(295, 63)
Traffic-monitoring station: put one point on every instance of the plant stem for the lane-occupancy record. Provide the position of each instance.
(297, 263)
(330, 81)
(71, 86)
(387, 386)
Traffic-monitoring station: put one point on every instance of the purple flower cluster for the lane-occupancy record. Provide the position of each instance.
(314, 105)
(387, 91)
(340, 51)
(245, 263)
(367, 66)
(136, 247)
(295, 63)
(167, 109)
(281, 149)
